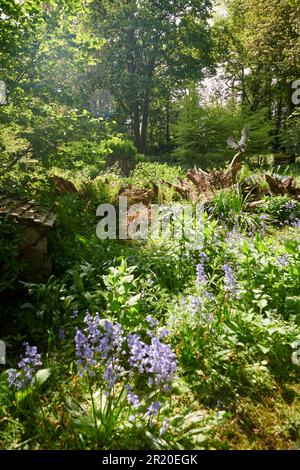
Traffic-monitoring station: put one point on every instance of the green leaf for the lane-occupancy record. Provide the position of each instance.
(133, 300)
(42, 376)
(263, 348)
(262, 303)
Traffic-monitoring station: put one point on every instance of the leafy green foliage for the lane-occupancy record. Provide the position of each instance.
(9, 253)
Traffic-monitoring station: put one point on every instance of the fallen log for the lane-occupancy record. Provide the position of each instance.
(254, 204)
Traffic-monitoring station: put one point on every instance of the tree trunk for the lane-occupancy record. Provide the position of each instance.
(143, 142)
(146, 104)
(277, 145)
(136, 126)
(168, 115)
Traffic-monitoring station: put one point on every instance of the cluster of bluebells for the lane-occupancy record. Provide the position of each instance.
(288, 214)
(195, 307)
(100, 344)
(27, 368)
(192, 309)
(282, 261)
(233, 239)
(230, 283)
(263, 226)
(132, 398)
(291, 221)
(103, 346)
(153, 409)
(155, 360)
(201, 279)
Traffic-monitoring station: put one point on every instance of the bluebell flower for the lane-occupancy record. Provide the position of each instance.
(233, 239)
(61, 334)
(112, 373)
(157, 359)
(230, 283)
(85, 353)
(282, 261)
(133, 399)
(164, 333)
(160, 362)
(164, 427)
(204, 257)
(195, 303)
(100, 345)
(201, 275)
(28, 367)
(74, 314)
(138, 351)
(153, 409)
(152, 321)
(296, 223)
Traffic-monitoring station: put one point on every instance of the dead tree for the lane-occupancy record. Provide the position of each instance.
(283, 186)
(202, 185)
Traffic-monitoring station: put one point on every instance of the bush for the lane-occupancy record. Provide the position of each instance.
(146, 172)
(119, 148)
(9, 253)
(283, 209)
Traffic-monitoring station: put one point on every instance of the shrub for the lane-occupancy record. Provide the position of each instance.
(146, 172)
(119, 148)
(9, 265)
(283, 209)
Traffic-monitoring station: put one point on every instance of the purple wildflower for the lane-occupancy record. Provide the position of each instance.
(229, 281)
(74, 314)
(195, 303)
(263, 227)
(132, 398)
(164, 427)
(61, 334)
(164, 333)
(92, 327)
(161, 362)
(157, 359)
(112, 373)
(28, 367)
(282, 261)
(152, 321)
(233, 238)
(204, 257)
(201, 275)
(296, 223)
(100, 345)
(138, 352)
(207, 318)
(153, 409)
(84, 352)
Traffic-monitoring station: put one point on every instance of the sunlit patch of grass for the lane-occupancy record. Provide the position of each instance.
(272, 425)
